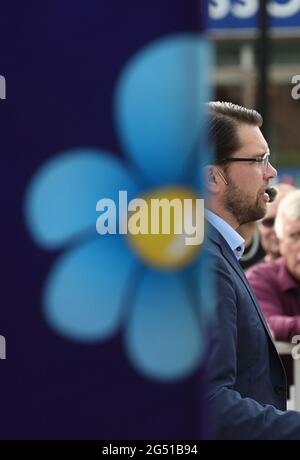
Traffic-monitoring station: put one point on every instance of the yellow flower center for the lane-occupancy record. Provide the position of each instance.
(166, 227)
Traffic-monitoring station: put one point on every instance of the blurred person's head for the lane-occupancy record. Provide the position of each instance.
(239, 179)
(287, 228)
(268, 238)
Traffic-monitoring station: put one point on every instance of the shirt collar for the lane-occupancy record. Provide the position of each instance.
(232, 237)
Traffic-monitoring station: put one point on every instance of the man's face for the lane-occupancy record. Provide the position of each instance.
(290, 246)
(245, 196)
(268, 237)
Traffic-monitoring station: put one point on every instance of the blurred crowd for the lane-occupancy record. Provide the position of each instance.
(272, 264)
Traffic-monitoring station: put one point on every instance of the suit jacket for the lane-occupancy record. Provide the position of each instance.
(247, 382)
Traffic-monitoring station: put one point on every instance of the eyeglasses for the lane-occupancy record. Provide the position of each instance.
(268, 222)
(264, 159)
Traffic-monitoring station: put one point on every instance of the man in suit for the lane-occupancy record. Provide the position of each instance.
(247, 389)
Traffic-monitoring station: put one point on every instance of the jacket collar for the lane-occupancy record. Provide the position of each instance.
(232, 237)
(217, 238)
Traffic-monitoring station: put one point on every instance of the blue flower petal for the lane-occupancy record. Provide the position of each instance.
(163, 337)
(61, 198)
(84, 292)
(159, 105)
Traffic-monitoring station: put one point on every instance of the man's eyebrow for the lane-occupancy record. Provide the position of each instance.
(262, 154)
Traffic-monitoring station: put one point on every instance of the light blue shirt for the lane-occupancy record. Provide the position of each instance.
(233, 238)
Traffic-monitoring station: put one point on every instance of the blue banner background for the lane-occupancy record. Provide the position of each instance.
(61, 61)
(231, 22)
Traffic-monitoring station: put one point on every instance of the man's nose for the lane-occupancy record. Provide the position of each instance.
(271, 172)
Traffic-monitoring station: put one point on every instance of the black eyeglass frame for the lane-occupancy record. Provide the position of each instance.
(261, 159)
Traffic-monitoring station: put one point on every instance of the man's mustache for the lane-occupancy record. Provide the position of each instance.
(272, 192)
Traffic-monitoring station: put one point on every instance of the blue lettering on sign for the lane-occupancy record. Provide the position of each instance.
(243, 14)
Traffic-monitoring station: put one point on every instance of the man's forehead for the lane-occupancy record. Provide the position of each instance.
(251, 137)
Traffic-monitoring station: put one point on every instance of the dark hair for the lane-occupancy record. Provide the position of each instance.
(224, 118)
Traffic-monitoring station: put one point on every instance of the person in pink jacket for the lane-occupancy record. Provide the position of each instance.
(277, 283)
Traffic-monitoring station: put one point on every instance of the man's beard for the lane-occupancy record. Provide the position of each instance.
(242, 206)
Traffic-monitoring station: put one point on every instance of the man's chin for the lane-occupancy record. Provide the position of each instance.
(261, 211)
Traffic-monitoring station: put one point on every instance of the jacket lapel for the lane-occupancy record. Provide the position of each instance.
(217, 238)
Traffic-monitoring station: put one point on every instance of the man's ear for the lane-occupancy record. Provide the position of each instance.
(211, 178)
(211, 175)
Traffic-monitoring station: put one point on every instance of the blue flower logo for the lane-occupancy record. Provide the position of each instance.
(98, 285)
